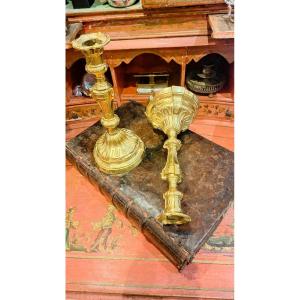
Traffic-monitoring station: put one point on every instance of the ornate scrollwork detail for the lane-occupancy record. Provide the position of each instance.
(127, 57)
(82, 112)
(215, 110)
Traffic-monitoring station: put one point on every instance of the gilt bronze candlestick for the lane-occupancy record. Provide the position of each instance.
(172, 110)
(117, 151)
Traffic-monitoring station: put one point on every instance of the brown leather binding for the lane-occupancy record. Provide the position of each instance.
(207, 184)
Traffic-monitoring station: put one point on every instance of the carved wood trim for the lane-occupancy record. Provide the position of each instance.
(174, 3)
(84, 112)
(114, 59)
(216, 111)
(183, 72)
(196, 54)
(179, 55)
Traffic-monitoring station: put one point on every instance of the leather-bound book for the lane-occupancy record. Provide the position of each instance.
(207, 184)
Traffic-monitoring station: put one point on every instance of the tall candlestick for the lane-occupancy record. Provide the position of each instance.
(171, 110)
(118, 150)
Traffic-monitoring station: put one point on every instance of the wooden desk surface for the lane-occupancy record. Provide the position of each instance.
(128, 264)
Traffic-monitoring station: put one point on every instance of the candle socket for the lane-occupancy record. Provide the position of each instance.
(118, 150)
(172, 110)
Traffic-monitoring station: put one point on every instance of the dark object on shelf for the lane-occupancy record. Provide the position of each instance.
(121, 3)
(72, 31)
(208, 184)
(208, 82)
(88, 81)
(82, 3)
(230, 5)
(149, 83)
(77, 91)
(84, 88)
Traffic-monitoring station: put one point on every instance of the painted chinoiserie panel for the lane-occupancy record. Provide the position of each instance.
(105, 254)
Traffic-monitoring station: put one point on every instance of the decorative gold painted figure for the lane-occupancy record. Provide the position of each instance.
(104, 227)
(117, 151)
(172, 110)
(70, 224)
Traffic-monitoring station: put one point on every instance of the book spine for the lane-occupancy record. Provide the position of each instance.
(148, 225)
(153, 231)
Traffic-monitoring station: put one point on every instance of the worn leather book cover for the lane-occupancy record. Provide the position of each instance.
(207, 184)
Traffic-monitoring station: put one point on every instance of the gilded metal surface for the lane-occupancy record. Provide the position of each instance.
(117, 151)
(172, 110)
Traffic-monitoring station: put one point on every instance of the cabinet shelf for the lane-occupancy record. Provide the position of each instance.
(169, 41)
(73, 100)
(130, 93)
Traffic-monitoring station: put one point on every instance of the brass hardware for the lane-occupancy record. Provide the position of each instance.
(172, 110)
(117, 151)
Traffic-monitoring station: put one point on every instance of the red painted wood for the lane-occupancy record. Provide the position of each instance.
(172, 42)
(131, 265)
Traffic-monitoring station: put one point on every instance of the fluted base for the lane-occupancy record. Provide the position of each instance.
(173, 218)
(119, 152)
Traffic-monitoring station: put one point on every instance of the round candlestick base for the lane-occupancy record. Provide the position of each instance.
(118, 152)
(173, 218)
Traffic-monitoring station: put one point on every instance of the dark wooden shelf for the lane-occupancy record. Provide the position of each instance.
(80, 100)
(130, 93)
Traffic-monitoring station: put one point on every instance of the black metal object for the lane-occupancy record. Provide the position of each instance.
(208, 82)
(82, 3)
